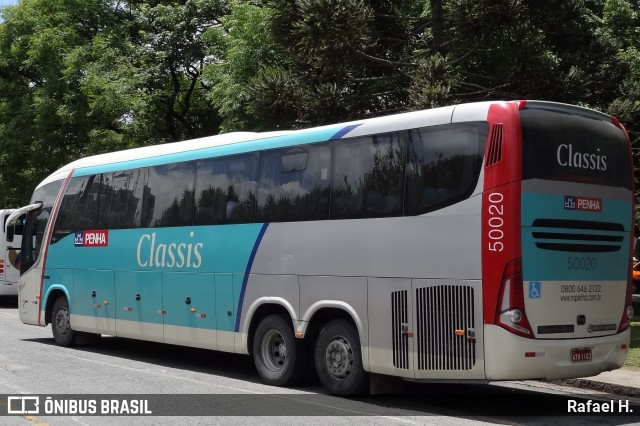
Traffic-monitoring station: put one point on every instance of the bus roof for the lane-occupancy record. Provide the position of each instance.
(242, 142)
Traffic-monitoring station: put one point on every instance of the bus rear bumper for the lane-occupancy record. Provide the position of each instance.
(511, 357)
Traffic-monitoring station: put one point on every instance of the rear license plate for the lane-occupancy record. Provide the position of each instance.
(578, 355)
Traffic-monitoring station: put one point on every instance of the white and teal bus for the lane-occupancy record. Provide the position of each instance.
(482, 241)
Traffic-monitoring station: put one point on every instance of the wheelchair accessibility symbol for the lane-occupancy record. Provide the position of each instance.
(535, 290)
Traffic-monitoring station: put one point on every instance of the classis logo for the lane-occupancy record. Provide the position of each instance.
(153, 251)
(568, 156)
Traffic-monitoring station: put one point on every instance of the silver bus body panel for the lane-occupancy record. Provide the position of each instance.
(359, 277)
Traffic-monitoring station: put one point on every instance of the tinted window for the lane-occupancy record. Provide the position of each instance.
(79, 208)
(168, 196)
(562, 146)
(443, 165)
(294, 184)
(225, 190)
(409, 172)
(368, 177)
(121, 199)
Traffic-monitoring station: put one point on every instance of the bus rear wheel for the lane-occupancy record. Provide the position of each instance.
(280, 358)
(63, 335)
(338, 359)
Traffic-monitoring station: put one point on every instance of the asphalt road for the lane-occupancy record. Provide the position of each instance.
(207, 387)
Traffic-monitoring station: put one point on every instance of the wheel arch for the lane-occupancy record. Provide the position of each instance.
(323, 311)
(53, 293)
(320, 313)
(262, 308)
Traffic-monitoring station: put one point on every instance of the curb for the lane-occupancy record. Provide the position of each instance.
(599, 386)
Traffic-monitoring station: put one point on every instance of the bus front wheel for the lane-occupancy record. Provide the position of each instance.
(338, 359)
(63, 335)
(279, 357)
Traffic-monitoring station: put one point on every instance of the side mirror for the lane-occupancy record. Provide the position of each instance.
(13, 217)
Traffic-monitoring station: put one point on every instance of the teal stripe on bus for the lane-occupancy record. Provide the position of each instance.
(297, 138)
(165, 267)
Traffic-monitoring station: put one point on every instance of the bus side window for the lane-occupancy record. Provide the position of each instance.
(368, 179)
(121, 199)
(294, 184)
(225, 190)
(79, 208)
(443, 165)
(169, 195)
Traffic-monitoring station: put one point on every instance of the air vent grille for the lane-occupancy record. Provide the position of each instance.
(494, 153)
(399, 337)
(593, 237)
(445, 323)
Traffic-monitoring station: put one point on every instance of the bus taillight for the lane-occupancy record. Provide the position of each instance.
(628, 313)
(510, 313)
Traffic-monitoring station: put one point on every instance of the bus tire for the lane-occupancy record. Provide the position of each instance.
(63, 335)
(338, 359)
(280, 358)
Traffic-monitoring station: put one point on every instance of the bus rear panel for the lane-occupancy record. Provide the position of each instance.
(562, 306)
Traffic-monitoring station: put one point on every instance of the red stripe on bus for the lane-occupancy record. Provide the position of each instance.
(501, 200)
(52, 221)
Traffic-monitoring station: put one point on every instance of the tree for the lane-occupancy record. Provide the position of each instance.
(145, 72)
(621, 25)
(79, 77)
(308, 62)
(44, 115)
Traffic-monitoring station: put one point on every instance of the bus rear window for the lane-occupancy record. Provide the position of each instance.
(561, 145)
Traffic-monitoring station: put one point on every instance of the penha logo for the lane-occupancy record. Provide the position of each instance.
(94, 238)
(587, 204)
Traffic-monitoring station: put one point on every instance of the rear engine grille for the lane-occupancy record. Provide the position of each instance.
(594, 237)
(440, 311)
(399, 320)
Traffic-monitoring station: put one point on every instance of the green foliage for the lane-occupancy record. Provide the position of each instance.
(79, 77)
(633, 356)
(44, 115)
(241, 45)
